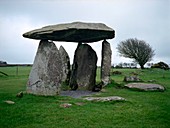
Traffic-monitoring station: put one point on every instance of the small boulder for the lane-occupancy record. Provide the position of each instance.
(9, 102)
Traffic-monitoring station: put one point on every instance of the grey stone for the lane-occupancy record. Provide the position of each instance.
(106, 62)
(132, 79)
(145, 87)
(84, 68)
(9, 102)
(46, 74)
(65, 65)
(73, 32)
(103, 99)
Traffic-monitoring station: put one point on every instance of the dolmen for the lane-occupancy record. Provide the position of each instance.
(51, 67)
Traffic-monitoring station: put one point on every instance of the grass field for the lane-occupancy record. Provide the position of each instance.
(141, 110)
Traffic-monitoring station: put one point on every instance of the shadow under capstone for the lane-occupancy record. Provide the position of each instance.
(77, 93)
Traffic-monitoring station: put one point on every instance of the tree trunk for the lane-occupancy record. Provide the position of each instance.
(142, 66)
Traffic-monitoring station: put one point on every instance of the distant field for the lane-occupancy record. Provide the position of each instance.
(141, 110)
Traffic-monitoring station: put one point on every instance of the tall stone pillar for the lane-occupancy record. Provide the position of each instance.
(65, 65)
(84, 68)
(46, 74)
(106, 62)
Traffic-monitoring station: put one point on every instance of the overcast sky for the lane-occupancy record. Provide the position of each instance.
(147, 20)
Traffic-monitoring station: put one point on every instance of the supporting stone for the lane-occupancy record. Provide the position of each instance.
(65, 65)
(84, 68)
(106, 62)
(46, 74)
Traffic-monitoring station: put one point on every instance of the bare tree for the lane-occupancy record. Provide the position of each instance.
(135, 49)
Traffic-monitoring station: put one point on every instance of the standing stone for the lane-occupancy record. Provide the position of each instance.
(84, 68)
(46, 74)
(106, 62)
(65, 65)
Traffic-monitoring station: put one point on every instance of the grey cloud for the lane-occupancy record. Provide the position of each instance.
(147, 20)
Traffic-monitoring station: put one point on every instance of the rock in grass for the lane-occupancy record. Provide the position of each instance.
(66, 105)
(145, 87)
(9, 102)
(103, 99)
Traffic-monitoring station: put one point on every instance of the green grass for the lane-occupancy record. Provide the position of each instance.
(141, 110)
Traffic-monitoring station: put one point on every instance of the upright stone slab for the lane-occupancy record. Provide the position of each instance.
(84, 68)
(46, 74)
(106, 62)
(65, 65)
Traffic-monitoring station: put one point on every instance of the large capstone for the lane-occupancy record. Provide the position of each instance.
(73, 32)
(46, 74)
(84, 68)
(65, 65)
(106, 62)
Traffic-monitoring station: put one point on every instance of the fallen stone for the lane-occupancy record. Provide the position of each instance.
(106, 63)
(103, 99)
(145, 87)
(65, 65)
(9, 102)
(84, 68)
(73, 32)
(46, 74)
(66, 105)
